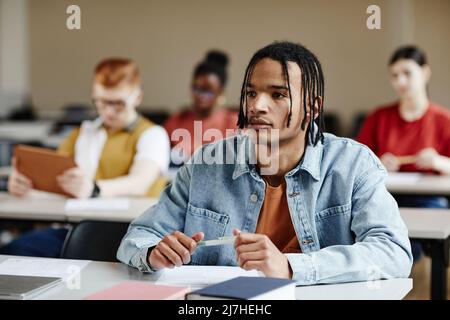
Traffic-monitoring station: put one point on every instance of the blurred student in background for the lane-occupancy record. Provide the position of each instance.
(208, 86)
(118, 154)
(413, 133)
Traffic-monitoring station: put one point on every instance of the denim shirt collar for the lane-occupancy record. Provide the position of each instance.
(242, 156)
(310, 162)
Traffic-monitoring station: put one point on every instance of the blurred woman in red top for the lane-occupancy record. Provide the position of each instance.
(413, 134)
(208, 84)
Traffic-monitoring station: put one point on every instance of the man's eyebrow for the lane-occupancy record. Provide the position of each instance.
(278, 87)
(273, 86)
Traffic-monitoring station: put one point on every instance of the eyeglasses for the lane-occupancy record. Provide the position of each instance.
(207, 93)
(117, 106)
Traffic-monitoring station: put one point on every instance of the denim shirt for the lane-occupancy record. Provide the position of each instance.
(347, 224)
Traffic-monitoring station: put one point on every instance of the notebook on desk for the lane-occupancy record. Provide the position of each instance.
(247, 288)
(13, 287)
(134, 290)
(42, 166)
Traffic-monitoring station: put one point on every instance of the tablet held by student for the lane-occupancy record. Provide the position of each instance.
(42, 167)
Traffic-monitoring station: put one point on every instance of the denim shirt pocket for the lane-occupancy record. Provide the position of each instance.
(213, 224)
(333, 225)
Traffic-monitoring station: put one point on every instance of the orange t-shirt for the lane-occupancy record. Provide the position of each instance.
(275, 220)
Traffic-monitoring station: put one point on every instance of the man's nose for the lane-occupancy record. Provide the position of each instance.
(402, 80)
(260, 104)
(109, 111)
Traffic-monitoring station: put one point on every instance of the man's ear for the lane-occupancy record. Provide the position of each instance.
(317, 105)
(221, 99)
(426, 72)
(140, 98)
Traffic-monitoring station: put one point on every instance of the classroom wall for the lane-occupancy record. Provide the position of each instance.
(14, 54)
(167, 38)
(432, 30)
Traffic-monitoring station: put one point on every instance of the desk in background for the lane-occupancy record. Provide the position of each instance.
(418, 184)
(26, 131)
(5, 171)
(34, 132)
(432, 227)
(40, 206)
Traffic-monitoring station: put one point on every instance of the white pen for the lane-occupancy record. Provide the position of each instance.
(217, 242)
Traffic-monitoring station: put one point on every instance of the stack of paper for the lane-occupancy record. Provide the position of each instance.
(201, 276)
(57, 268)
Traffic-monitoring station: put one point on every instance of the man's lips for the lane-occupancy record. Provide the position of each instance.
(259, 124)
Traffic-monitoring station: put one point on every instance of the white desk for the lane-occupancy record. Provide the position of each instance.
(40, 206)
(54, 140)
(394, 289)
(432, 227)
(97, 276)
(25, 131)
(424, 223)
(12, 133)
(419, 184)
(5, 171)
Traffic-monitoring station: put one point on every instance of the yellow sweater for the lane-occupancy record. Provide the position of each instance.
(117, 154)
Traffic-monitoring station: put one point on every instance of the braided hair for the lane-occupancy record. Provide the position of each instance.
(312, 83)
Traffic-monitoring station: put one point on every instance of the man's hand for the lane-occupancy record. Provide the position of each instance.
(18, 184)
(75, 182)
(174, 250)
(390, 162)
(256, 251)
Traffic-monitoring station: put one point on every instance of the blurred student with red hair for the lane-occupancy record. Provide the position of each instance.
(118, 154)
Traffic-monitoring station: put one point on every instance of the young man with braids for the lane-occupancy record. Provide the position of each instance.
(321, 215)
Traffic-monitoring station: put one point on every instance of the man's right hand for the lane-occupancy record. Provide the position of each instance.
(390, 162)
(174, 250)
(18, 184)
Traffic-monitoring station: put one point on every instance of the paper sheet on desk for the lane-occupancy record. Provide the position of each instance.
(201, 276)
(65, 269)
(97, 204)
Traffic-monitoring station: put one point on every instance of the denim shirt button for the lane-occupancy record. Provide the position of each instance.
(253, 198)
